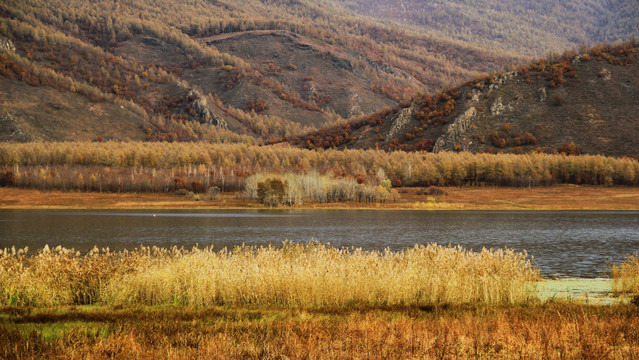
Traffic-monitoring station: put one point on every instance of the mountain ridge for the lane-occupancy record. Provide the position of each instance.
(573, 103)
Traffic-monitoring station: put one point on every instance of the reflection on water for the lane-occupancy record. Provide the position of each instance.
(574, 244)
(163, 214)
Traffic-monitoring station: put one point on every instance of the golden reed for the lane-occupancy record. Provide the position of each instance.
(311, 274)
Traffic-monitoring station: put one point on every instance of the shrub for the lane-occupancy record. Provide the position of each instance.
(213, 192)
(7, 178)
(434, 190)
(181, 192)
(557, 100)
(386, 184)
(271, 192)
(259, 106)
(570, 149)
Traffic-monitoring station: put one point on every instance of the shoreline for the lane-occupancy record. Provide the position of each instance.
(556, 198)
(591, 291)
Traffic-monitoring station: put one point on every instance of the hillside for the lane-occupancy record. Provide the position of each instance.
(212, 70)
(225, 71)
(527, 27)
(572, 103)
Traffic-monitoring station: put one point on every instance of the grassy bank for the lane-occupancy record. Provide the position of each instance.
(454, 198)
(554, 330)
(308, 275)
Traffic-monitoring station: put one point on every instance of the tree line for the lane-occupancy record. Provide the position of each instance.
(156, 167)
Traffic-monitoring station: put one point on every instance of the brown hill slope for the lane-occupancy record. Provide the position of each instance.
(321, 74)
(213, 70)
(44, 114)
(245, 71)
(573, 103)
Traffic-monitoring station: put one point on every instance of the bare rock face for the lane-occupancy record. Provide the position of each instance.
(498, 80)
(605, 74)
(578, 59)
(202, 110)
(456, 133)
(499, 108)
(6, 45)
(355, 101)
(400, 121)
(475, 96)
(542, 94)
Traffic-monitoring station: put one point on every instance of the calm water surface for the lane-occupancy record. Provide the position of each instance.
(564, 244)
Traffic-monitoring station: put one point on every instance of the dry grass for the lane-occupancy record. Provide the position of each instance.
(307, 275)
(626, 276)
(565, 197)
(543, 331)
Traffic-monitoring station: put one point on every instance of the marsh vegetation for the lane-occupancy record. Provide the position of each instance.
(306, 275)
(297, 301)
(626, 276)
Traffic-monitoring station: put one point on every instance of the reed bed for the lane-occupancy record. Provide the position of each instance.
(305, 275)
(626, 276)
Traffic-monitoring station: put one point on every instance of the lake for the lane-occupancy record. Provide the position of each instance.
(579, 244)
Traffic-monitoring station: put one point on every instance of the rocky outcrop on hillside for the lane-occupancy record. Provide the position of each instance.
(572, 103)
(202, 111)
(400, 121)
(456, 137)
(6, 44)
(585, 101)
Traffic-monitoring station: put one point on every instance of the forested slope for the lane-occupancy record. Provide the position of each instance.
(522, 26)
(287, 68)
(228, 71)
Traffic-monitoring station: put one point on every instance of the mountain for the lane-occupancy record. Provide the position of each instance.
(572, 103)
(255, 70)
